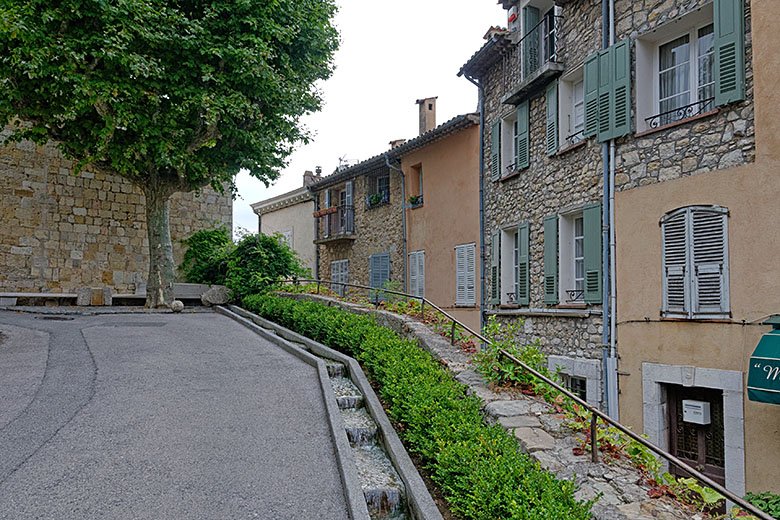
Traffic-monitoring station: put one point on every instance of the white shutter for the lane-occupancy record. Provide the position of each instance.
(421, 273)
(471, 274)
(709, 261)
(675, 276)
(412, 273)
(460, 275)
(349, 222)
(327, 219)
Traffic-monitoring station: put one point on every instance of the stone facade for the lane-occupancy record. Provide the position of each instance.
(61, 231)
(377, 229)
(567, 181)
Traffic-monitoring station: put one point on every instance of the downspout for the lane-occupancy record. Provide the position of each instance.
(481, 91)
(605, 233)
(613, 387)
(316, 200)
(403, 215)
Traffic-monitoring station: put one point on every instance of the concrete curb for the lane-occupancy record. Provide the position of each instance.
(421, 504)
(353, 492)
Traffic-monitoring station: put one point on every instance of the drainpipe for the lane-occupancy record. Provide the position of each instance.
(316, 236)
(481, 91)
(613, 387)
(403, 214)
(605, 233)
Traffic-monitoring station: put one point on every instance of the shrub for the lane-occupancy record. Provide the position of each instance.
(206, 258)
(767, 502)
(478, 467)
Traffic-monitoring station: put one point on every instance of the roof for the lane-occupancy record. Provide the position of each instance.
(456, 124)
(285, 200)
(487, 55)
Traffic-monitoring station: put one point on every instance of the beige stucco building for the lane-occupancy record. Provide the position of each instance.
(290, 215)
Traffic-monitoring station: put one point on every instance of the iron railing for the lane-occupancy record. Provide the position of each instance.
(574, 138)
(340, 222)
(680, 113)
(539, 45)
(595, 412)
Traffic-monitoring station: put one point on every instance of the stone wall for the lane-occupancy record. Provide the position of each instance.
(377, 230)
(61, 231)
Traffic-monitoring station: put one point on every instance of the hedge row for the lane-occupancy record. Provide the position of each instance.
(478, 467)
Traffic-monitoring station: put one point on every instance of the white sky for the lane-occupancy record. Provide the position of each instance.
(391, 54)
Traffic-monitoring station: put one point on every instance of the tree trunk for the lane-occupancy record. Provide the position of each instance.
(159, 285)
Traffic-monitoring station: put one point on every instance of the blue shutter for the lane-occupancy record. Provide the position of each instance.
(729, 70)
(552, 118)
(523, 137)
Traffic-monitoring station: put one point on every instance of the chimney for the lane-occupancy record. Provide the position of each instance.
(310, 178)
(427, 114)
(397, 143)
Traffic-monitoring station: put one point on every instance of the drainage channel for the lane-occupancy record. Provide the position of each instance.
(382, 486)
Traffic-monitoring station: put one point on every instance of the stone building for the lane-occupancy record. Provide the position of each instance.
(62, 231)
(290, 214)
(670, 95)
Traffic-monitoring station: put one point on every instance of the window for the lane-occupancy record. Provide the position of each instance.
(378, 190)
(695, 263)
(576, 385)
(571, 108)
(465, 274)
(581, 376)
(339, 274)
(378, 272)
(510, 143)
(415, 185)
(691, 65)
(573, 257)
(514, 284)
(417, 273)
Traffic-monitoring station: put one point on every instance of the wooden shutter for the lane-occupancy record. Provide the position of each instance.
(729, 70)
(531, 42)
(349, 219)
(591, 93)
(523, 137)
(606, 109)
(495, 269)
(495, 151)
(327, 217)
(552, 118)
(471, 274)
(709, 251)
(460, 275)
(412, 273)
(551, 259)
(421, 273)
(620, 117)
(674, 252)
(591, 223)
(523, 265)
(373, 271)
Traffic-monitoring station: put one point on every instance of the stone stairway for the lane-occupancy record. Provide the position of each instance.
(382, 487)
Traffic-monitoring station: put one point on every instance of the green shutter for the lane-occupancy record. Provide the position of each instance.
(591, 223)
(552, 118)
(495, 270)
(495, 151)
(606, 108)
(523, 144)
(620, 118)
(523, 265)
(591, 88)
(531, 48)
(729, 51)
(551, 259)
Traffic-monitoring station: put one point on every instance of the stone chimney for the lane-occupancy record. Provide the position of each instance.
(310, 178)
(427, 114)
(397, 143)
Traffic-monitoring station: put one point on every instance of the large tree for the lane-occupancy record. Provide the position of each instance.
(171, 95)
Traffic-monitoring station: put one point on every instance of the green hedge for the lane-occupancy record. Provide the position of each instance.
(479, 467)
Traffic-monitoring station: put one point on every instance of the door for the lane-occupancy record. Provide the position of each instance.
(701, 446)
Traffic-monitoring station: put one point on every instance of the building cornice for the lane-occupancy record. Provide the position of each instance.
(285, 200)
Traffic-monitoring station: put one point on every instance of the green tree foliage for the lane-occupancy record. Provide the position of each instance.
(206, 258)
(172, 95)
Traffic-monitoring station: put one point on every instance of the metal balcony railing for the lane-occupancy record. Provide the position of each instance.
(595, 412)
(680, 113)
(340, 222)
(540, 45)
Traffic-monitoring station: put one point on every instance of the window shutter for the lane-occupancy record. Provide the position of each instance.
(412, 273)
(495, 271)
(531, 45)
(373, 271)
(620, 118)
(471, 274)
(729, 18)
(421, 273)
(460, 275)
(591, 223)
(523, 136)
(606, 112)
(552, 118)
(495, 151)
(349, 219)
(674, 251)
(591, 92)
(551, 259)
(710, 266)
(327, 217)
(523, 265)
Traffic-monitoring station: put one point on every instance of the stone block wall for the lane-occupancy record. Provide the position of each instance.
(378, 230)
(61, 231)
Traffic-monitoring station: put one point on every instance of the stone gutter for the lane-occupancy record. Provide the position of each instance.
(540, 432)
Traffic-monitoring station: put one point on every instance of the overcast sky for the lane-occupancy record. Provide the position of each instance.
(391, 54)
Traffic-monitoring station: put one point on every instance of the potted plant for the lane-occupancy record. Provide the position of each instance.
(415, 200)
(375, 199)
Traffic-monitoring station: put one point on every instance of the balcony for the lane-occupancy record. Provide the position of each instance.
(534, 61)
(339, 224)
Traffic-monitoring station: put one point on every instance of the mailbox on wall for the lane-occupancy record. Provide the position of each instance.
(696, 412)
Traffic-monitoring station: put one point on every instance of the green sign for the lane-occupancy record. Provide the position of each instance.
(763, 383)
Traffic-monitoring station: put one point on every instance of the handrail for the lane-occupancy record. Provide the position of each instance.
(595, 412)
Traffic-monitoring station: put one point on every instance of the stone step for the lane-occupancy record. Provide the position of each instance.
(335, 369)
(382, 487)
(347, 394)
(361, 428)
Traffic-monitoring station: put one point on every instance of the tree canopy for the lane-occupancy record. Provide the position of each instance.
(172, 95)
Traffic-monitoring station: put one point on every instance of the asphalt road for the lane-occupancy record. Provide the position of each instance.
(159, 416)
